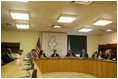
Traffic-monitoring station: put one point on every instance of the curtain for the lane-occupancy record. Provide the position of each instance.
(76, 43)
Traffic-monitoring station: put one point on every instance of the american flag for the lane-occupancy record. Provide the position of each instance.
(38, 47)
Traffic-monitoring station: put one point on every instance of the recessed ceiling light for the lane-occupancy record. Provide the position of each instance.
(21, 26)
(109, 30)
(57, 26)
(85, 30)
(20, 16)
(102, 22)
(66, 19)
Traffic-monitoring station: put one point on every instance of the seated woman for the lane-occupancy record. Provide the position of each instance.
(84, 54)
(42, 54)
(55, 54)
(94, 54)
(19, 56)
(70, 54)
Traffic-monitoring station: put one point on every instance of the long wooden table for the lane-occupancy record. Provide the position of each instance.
(14, 70)
(100, 68)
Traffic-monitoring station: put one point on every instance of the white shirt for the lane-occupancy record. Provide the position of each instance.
(19, 57)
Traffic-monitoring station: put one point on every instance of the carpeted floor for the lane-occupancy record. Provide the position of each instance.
(67, 75)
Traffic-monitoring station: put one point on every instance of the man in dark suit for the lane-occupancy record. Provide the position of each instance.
(70, 54)
(94, 55)
(55, 54)
(110, 55)
(113, 56)
(84, 54)
(7, 56)
(105, 56)
(100, 55)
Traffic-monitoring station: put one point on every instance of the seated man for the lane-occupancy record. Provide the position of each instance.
(7, 56)
(110, 54)
(84, 54)
(100, 55)
(70, 54)
(94, 55)
(105, 56)
(55, 54)
(32, 54)
(113, 56)
(42, 54)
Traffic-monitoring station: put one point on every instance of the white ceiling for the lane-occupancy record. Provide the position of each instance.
(44, 14)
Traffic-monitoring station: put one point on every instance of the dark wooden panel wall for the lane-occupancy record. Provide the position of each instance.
(13, 46)
(104, 47)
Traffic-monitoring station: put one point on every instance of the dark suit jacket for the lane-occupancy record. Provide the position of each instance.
(41, 55)
(93, 56)
(7, 58)
(69, 55)
(100, 55)
(105, 56)
(111, 56)
(85, 55)
(57, 55)
(114, 56)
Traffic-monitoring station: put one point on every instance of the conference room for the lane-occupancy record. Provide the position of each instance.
(58, 39)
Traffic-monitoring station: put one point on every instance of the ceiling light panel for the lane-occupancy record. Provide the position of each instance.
(66, 19)
(20, 16)
(21, 26)
(85, 30)
(102, 22)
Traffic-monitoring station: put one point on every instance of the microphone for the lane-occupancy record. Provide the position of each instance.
(29, 68)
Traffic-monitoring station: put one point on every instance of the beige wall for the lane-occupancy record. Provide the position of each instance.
(109, 38)
(27, 40)
(93, 42)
